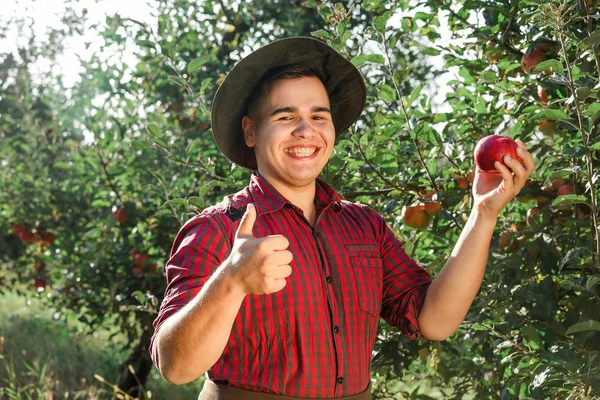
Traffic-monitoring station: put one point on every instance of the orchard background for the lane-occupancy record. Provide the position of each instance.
(85, 226)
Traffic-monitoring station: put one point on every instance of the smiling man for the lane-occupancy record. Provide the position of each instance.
(277, 291)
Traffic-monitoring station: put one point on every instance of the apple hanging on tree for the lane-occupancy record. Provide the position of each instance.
(493, 148)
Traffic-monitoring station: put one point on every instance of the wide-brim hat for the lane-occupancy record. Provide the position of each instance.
(342, 80)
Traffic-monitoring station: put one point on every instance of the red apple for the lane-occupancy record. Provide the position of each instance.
(416, 216)
(40, 283)
(48, 238)
(543, 95)
(433, 208)
(120, 214)
(547, 127)
(565, 189)
(140, 259)
(494, 54)
(531, 60)
(557, 183)
(461, 182)
(493, 148)
(26, 236)
(133, 252)
(471, 175)
(137, 272)
(18, 228)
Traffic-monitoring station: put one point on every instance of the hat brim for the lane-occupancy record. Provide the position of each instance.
(342, 80)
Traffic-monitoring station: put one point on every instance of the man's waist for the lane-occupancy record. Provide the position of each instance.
(221, 391)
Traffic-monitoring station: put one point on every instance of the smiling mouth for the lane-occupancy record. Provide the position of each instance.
(302, 152)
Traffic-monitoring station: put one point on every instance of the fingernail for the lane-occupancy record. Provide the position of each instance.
(520, 149)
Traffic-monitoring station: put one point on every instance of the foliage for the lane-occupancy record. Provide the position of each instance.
(531, 332)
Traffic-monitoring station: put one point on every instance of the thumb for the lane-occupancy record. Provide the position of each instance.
(245, 228)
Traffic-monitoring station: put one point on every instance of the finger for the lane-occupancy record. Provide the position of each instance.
(275, 242)
(282, 271)
(277, 285)
(527, 159)
(507, 178)
(518, 169)
(281, 257)
(247, 223)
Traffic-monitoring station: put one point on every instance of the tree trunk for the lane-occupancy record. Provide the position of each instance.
(140, 362)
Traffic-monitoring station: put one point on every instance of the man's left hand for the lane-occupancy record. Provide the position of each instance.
(493, 190)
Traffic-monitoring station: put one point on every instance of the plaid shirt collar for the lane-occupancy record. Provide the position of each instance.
(267, 199)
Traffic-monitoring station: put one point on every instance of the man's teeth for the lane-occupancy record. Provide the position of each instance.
(302, 152)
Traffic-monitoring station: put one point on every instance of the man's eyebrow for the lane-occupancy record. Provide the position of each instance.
(283, 110)
(295, 109)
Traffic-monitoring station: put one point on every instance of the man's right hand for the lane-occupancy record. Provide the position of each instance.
(259, 265)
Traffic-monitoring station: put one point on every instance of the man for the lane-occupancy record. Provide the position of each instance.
(277, 291)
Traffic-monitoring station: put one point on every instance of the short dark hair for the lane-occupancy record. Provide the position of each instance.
(264, 86)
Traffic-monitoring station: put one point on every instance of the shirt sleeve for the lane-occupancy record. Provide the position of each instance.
(405, 285)
(199, 249)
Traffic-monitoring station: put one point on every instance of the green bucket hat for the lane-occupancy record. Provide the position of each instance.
(343, 82)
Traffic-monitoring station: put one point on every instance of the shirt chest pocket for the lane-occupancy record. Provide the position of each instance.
(368, 274)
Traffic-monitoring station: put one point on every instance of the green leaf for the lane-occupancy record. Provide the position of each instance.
(386, 93)
(590, 40)
(154, 130)
(196, 201)
(204, 190)
(464, 73)
(322, 33)
(196, 64)
(139, 296)
(565, 172)
(549, 66)
(595, 146)
(575, 256)
(568, 200)
(380, 22)
(401, 75)
(414, 94)
(548, 114)
(363, 58)
(590, 325)
(174, 202)
(205, 83)
(177, 80)
(309, 4)
(146, 43)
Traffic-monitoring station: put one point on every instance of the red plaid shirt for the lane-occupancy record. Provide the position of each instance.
(314, 338)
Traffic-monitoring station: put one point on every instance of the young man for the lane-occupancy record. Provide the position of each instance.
(277, 291)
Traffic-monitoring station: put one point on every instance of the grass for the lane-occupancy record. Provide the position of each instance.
(43, 358)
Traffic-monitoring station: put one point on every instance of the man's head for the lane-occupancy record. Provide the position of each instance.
(342, 82)
(289, 125)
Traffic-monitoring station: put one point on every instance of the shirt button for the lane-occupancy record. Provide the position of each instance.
(328, 279)
(341, 380)
(336, 329)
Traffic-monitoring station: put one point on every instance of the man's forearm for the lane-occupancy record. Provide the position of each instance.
(192, 340)
(451, 293)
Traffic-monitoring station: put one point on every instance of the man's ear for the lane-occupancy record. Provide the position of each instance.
(249, 128)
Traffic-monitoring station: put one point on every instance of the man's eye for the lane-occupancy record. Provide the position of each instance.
(287, 118)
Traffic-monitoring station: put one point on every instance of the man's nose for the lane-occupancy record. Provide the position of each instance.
(304, 127)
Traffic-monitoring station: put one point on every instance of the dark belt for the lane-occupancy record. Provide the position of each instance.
(217, 391)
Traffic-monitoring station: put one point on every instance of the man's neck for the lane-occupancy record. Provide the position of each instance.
(302, 197)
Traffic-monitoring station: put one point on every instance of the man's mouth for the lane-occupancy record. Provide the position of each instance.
(302, 152)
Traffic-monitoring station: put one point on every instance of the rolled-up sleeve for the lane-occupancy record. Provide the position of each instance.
(405, 285)
(199, 249)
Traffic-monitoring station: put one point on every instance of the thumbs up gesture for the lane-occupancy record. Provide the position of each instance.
(259, 265)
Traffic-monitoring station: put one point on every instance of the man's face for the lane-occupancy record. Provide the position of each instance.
(292, 132)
